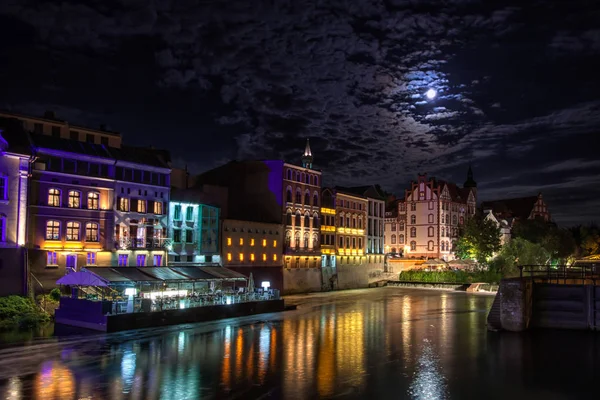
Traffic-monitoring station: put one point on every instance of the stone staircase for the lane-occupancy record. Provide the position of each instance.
(493, 319)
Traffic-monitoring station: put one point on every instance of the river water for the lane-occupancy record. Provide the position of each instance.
(387, 343)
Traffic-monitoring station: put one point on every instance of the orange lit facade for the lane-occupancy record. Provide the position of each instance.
(351, 223)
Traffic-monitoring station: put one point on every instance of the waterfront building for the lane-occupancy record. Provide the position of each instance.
(351, 221)
(434, 210)
(328, 228)
(393, 237)
(521, 208)
(503, 225)
(194, 232)
(254, 247)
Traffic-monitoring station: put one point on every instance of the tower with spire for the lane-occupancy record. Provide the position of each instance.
(470, 182)
(307, 157)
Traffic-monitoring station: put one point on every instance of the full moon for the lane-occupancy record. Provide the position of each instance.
(431, 93)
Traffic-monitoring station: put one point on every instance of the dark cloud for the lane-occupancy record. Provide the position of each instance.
(212, 80)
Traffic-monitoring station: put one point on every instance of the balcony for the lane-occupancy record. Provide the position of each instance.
(154, 243)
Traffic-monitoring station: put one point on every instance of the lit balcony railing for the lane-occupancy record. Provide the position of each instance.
(351, 231)
(152, 243)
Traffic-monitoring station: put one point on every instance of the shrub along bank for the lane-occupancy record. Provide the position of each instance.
(24, 313)
(450, 276)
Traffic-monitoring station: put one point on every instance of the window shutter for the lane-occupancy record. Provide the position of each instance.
(150, 209)
(134, 205)
(119, 203)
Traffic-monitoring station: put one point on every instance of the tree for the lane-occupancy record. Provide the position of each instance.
(479, 240)
(559, 243)
(519, 251)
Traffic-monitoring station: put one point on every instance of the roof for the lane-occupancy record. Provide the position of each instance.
(68, 145)
(520, 207)
(368, 191)
(11, 129)
(142, 155)
(349, 192)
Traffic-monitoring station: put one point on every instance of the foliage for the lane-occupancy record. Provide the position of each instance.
(55, 294)
(516, 252)
(587, 240)
(21, 312)
(449, 276)
(559, 243)
(479, 240)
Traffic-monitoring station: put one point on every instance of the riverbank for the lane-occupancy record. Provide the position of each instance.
(481, 288)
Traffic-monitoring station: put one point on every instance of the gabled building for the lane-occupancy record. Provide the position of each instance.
(520, 208)
(434, 211)
(504, 225)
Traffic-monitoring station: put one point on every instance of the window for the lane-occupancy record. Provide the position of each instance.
(228, 256)
(315, 199)
(56, 131)
(298, 196)
(341, 242)
(298, 218)
(73, 231)
(413, 232)
(306, 221)
(430, 245)
(443, 232)
(307, 198)
(52, 230)
(241, 256)
(454, 220)
(393, 239)
(189, 213)
(189, 236)
(3, 187)
(443, 246)
(228, 241)
(430, 218)
(89, 138)
(2, 229)
(413, 206)
(241, 241)
(252, 242)
(54, 197)
(393, 226)
(191, 258)
(413, 246)
(91, 232)
(430, 231)
(104, 141)
(74, 135)
(413, 219)
(431, 205)
(141, 260)
(274, 257)
(123, 260)
(141, 206)
(74, 199)
(177, 235)
(158, 260)
(274, 243)
(93, 201)
(401, 239)
(177, 213)
(123, 204)
(252, 257)
(401, 226)
(91, 258)
(38, 128)
(51, 258)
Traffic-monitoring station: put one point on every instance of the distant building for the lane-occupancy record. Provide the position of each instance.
(434, 210)
(393, 231)
(503, 225)
(521, 208)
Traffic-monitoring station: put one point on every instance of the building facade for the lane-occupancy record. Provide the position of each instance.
(393, 237)
(521, 208)
(328, 228)
(254, 247)
(434, 211)
(351, 235)
(194, 232)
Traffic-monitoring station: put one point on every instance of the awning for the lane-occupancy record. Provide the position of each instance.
(164, 274)
(82, 278)
(108, 274)
(194, 273)
(135, 274)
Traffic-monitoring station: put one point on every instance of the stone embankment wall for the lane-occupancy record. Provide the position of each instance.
(350, 276)
(302, 280)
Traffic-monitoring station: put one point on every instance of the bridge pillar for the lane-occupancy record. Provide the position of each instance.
(515, 304)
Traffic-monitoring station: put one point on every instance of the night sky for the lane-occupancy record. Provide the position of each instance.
(214, 80)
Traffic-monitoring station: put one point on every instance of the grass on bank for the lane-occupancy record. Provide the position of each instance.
(19, 312)
(450, 276)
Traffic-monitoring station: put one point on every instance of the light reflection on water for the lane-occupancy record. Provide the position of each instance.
(386, 343)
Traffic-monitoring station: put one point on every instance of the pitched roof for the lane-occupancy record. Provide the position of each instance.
(368, 191)
(142, 155)
(68, 145)
(16, 137)
(520, 207)
(349, 191)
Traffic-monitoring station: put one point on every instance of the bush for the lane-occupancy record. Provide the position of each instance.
(450, 276)
(20, 312)
(55, 294)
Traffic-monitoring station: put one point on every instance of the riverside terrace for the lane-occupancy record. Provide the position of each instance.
(122, 298)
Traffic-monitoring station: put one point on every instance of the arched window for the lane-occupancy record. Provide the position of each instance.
(413, 246)
(316, 181)
(413, 232)
(430, 245)
(54, 197)
(306, 240)
(359, 223)
(288, 235)
(393, 239)
(454, 220)
(302, 177)
(430, 218)
(315, 220)
(93, 201)
(316, 199)
(307, 180)
(315, 240)
(462, 220)
(401, 239)
(297, 176)
(297, 239)
(443, 246)
(413, 219)
(74, 199)
(443, 232)
(288, 217)
(430, 231)
(306, 220)
(347, 242)
(91, 232)
(288, 194)
(73, 231)
(401, 226)
(289, 174)
(307, 198)
(52, 230)
(311, 180)
(298, 196)
(354, 222)
(298, 218)
(393, 226)
(360, 243)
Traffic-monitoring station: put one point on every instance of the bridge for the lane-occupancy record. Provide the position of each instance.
(559, 297)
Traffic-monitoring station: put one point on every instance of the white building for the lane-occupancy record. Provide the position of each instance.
(502, 224)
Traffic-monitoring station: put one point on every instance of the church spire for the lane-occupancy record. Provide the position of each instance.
(470, 182)
(307, 157)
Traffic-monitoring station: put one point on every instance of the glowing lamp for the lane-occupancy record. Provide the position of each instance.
(130, 291)
(265, 284)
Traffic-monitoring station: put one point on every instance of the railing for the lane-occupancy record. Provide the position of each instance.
(140, 243)
(586, 274)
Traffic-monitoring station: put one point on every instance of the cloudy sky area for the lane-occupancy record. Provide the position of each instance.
(214, 80)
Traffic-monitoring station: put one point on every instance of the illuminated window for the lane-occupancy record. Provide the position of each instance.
(54, 197)
(73, 231)
(189, 213)
(264, 258)
(3, 187)
(158, 207)
(274, 243)
(91, 258)
(177, 212)
(74, 199)
(123, 260)
(141, 206)
(251, 242)
(241, 241)
(228, 241)
(123, 204)
(228, 256)
(2, 228)
(91, 232)
(52, 230)
(241, 256)
(252, 257)
(274, 257)
(51, 258)
(92, 201)
(264, 242)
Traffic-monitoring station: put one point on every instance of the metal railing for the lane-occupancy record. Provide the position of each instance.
(561, 274)
(140, 243)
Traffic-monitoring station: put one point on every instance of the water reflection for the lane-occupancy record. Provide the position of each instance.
(390, 343)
